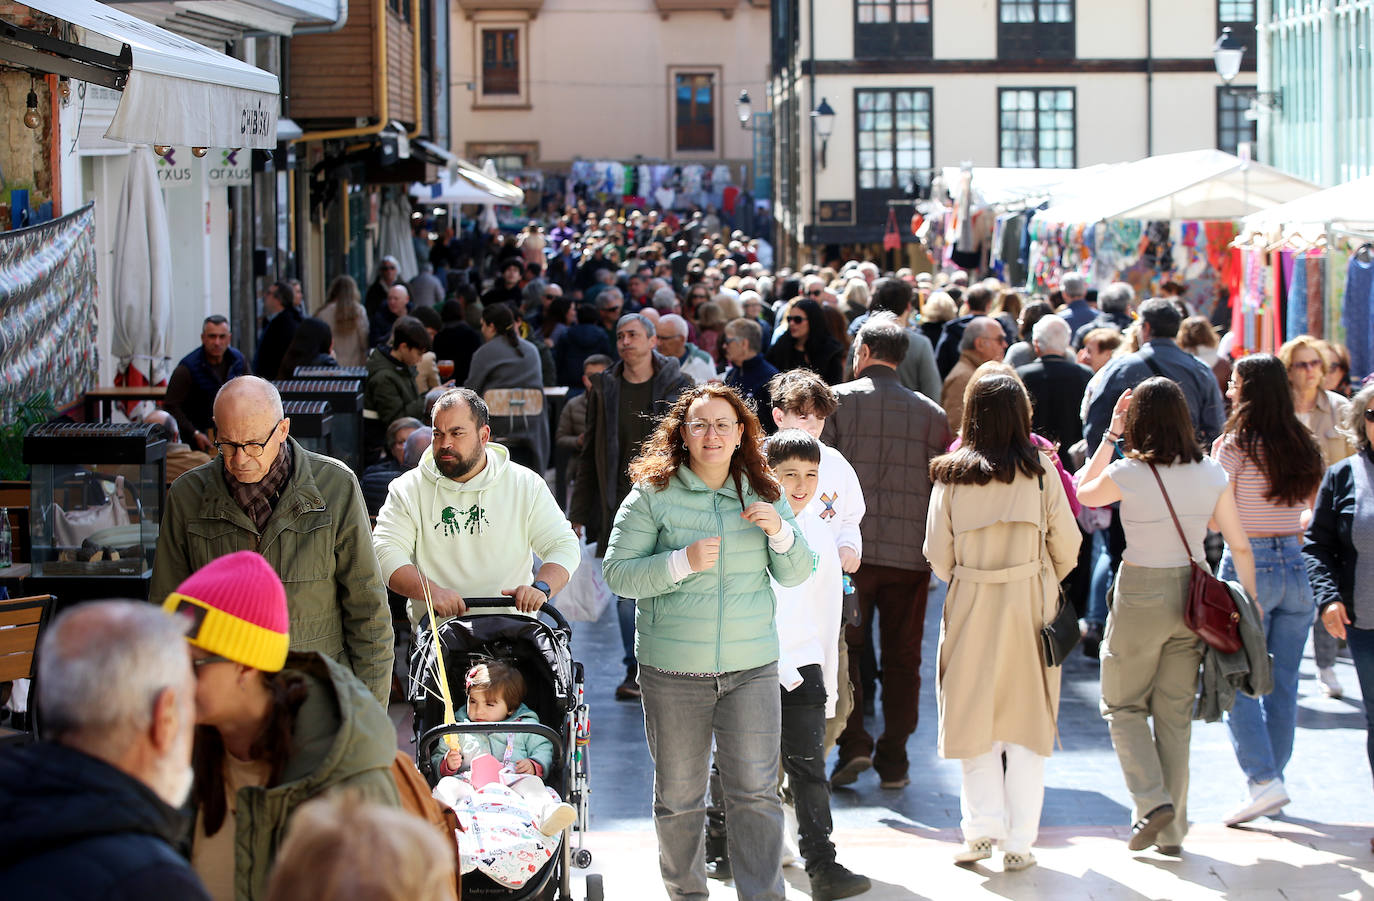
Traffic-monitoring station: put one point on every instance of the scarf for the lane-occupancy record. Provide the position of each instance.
(257, 499)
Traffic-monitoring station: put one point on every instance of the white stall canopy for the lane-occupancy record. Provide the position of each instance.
(462, 182)
(1350, 205)
(175, 91)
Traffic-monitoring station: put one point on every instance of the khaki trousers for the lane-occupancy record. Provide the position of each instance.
(844, 704)
(1150, 665)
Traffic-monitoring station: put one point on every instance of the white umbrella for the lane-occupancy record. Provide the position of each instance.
(142, 298)
(395, 238)
(462, 182)
(487, 223)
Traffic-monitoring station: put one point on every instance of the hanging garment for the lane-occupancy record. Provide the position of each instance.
(1359, 293)
(1296, 319)
(1315, 265)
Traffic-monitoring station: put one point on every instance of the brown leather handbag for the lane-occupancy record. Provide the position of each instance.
(1210, 610)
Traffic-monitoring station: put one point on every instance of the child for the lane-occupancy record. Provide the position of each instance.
(519, 760)
(808, 618)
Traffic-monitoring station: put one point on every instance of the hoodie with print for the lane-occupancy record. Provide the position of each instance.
(474, 537)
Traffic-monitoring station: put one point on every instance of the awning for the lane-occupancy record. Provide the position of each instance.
(1349, 205)
(462, 182)
(175, 91)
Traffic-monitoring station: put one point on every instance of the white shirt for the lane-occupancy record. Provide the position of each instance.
(839, 501)
(809, 614)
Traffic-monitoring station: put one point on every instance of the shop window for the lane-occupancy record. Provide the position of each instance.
(1233, 126)
(500, 61)
(892, 28)
(1035, 29)
(1036, 128)
(894, 141)
(694, 100)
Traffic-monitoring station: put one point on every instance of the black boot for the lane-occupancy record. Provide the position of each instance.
(629, 689)
(830, 881)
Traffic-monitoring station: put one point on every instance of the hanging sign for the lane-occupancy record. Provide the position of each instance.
(229, 168)
(174, 168)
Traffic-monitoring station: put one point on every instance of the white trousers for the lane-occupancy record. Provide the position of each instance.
(1003, 804)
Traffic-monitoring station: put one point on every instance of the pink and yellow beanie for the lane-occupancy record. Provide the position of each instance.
(236, 607)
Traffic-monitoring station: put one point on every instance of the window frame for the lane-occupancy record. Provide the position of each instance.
(1247, 128)
(1037, 39)
(717, 111)
(1037, 90)
(867, 200)
(893, 39)
(520, 98)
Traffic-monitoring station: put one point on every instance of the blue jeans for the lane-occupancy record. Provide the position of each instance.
(1361, 645)
(625, 611)
(1262, 729)
(743, 712)
(1101, 580)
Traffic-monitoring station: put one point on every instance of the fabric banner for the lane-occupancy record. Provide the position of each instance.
(48, 310)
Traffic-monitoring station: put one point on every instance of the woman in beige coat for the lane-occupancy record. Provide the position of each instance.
(1000, 531)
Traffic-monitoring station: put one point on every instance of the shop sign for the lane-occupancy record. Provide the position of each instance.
(174, 168)
(229, 168)
(832, 212)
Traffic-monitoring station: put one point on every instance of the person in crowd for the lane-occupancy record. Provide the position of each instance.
(1197, 336)
(586, 338)
(1338, 550)
(1115, 302)
(312, 345)
(1337, 358)
(507, 361)
(623, 404)
(917, 370)
(609, 303)
(977, 304)
(388, 276)
(1006, 309)
(1055, 383)
(1275, 467)
(507, 289)
(808, 343)
(94, 810)
(303, 511)
(276, 728)
(427, 367)
(571, 434)
(1098, 348)
(361, 851)
(889, 434)
(347, 320)
(180, 457)
(378, 477)
(672, 342)
(425, 289)
(389, 392)
(710, 328)
(384, 320)
(280, 319)
(981, 341)
(996, 512)
(464, 523)
(1078, 310)
(457, 341)
(687, 564)
(196, 380)
(937, 309)
(555, 319)
(1023, 351)
(1159, 355)
(854, 299)
(1150, 657)
(748, 372)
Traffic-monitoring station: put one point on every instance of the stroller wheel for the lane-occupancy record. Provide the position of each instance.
(595, 890)
(582, 859)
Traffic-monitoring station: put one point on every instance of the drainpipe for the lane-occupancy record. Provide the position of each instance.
(419, 104)
(380, 68)
(806, 114)
(1149, 78)
(336, 25)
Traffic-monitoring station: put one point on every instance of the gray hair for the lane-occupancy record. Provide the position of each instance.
(454, 397)
(978, 327)
(1116, 298)
(644, 321)
(749, 330)
(416, 443)
(101, 668)
(665, 300)
(609, 297)
(1353, 421)
(884, 337)
(1073, 286)
(675, 323)
(1051, 335)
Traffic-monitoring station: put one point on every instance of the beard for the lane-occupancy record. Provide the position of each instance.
(455, 467)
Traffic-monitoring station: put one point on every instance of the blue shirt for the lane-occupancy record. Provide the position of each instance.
(1198, 382)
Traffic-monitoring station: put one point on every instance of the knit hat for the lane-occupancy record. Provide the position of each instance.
(236, 606)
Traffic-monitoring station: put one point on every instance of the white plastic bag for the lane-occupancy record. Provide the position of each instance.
(586, 596)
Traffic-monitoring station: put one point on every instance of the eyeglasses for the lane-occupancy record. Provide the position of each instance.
(698, 427)
(1306, 364)
(612, 310)
(387, 268)
(662, 337)
(815, 293)
(198, 662)
(552, 296)
(1369, 415)
(796, 319)
(251, 448)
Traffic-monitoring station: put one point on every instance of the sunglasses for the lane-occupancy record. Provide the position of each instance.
(1307, 364)
(796, 319)
(1369, 415)
(816, 293)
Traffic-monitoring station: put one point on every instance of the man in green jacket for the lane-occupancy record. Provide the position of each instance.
(303, 511)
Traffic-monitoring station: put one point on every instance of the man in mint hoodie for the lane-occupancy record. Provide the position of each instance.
(467, 520)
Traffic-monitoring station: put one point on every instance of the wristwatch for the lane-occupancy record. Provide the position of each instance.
(544, 587)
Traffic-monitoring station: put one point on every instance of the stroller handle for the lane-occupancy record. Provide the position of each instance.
(547, 609)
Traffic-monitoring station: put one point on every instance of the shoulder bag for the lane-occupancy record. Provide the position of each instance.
(1059, 636)
(1210, 611)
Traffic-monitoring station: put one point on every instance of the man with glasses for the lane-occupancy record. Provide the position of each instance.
(696, 364)
(303, 511)
(388, 275)
(748, 372)
(609, 303)
(624, 404)
(982, 342)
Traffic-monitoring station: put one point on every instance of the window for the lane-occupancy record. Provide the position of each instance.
(1036, 127)
(1233, 127)
(1239, 16)
(1031, 29)
(887, 28)
(893, 135)
(500, 61)
(694, 99)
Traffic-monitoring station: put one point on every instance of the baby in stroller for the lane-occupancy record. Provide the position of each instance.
(518, 760)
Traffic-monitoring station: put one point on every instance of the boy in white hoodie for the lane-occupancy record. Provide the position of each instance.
(467, 519)
(808, 621)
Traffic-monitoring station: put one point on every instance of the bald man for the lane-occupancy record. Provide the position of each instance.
(303, 511)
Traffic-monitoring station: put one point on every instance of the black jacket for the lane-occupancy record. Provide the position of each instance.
(750, 379)
(75, 827)
(457, 342)
(573, 348)
(276, 338)
(1329, 548)
(1056, 385)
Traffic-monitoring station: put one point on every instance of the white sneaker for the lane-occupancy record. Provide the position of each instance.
(1266, 799)
(1330, 683)
(978, 849)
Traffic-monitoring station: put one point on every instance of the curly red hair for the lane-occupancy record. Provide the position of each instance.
(664, 451)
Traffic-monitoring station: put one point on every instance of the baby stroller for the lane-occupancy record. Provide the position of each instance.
(554, 686)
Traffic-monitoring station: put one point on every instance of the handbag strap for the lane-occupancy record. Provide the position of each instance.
(1187, 551)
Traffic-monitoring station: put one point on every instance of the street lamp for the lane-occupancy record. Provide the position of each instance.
(1227, 54)
(744, 109)
(823, 120)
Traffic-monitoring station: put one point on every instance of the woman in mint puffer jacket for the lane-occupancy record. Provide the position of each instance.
(695, 542)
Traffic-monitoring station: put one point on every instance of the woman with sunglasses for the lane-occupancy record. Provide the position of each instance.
(696, 541)
(1339, 550)
(1274, 466)
(1323, 412)
(808, 343)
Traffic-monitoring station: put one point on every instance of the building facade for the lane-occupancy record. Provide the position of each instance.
(917, 85)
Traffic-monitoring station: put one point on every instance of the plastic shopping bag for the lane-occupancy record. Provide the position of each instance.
(586, 596)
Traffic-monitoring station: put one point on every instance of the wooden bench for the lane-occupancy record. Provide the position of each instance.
(22, 621)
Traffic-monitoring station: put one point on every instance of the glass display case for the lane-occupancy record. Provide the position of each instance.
(96, 498)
